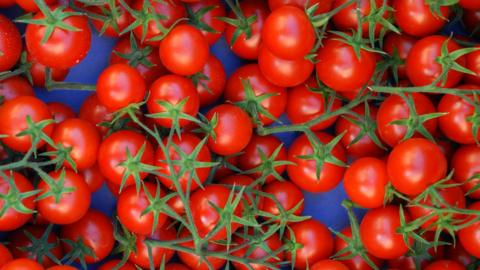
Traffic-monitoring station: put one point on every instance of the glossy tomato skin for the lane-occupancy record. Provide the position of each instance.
(401, 46)
(93, 177)
(140, 257)
(14, 87)
(356, 262)
(193, 261)
(173, 89)
(329, 265)
(14, 113)
(466, 163)
(243, 47)
(470, 236)
(71, 206)
(346, 19)
(414, 164)
(287, 194)
(10, 44)
(232, 132)
(210, 18)
(112, 263)
(94, 112)
(235, 91)
(113, 151)
(22, 264)
(211, 89)
(303, 173)
(444, 265)
(317, 243)
(60, 111)
(395, 108)
(5, 255)
(378, 231)
(365, 182)
(473, 64)
(339, 68)
(415, 17)
(96, 231)
(120, 85)
(422, 66)
(323, 6)
(63, 49)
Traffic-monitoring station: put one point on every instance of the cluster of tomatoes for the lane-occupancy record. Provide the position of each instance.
(379, 102)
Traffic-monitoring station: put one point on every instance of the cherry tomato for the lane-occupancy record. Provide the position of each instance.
(323, 6)
(15, 86)
(94, 112)
(194, 261)
(10, 44)
(5, 255)
(399, 46)
(444, 265)
(415, 17)
(347, 19)
(329, 265)
(210, 18)
(473, 64)
(465, 164)
(113, 263)
(62, 267)
(469, 236)
(31, 6)
(60, 112)
(93, 177)
(469, 4)
(470, 20)
(459, 254)
(356, 262)
(140, 257)
(38, 70)
(211, 82)
(22, 264)
(113, 26)
(288, 196)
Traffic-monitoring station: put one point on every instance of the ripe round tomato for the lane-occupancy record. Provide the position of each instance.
(210, 18)
(414, 164)
(287, 194)
(10, 44)
(329, 265)
(15, 113)
(316, 243)
(60, 112)
(399, 45)
(323, 6)
(414, 17)
(445, 265)
(465, 164)
(248, 47)
(120, 85)
(365, 182)
(93, 177)
(95, 230)
(140, 257)
(112, 27)
(113, 151)
(63, 49)
(395, 108)
(472, 63)
(339, 68)
(347, 19)
(173, 89)
(186, 143)
(31, 6)
(356, 262)
(235, 91)
(15, 86)
(194, 261)
(378, 231)
(5, 255)
(38, 70)
(184, 50)
(288, 33)
(94, 112)
(22, 264)
(470, 4)
(284, 72)
(112, 263)
(304, 172)
(304, 105)
(210, 87)
(232, 131)
(469, 236)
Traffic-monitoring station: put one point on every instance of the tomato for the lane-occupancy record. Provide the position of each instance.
(93, 177)
(169, 12)
(210, 18)
(175, 266)
(186, 143)
(184, 50)
(176, 204)
(470, 236)
(15, 86)
(415, 17)
(10, 44)
(235, 91)
(365, 182)
(112, 263)
(323, 6)
(262, 146)
(5, 255)
(315, 240)
(38, 70)
(288, 196)
(444, 265)
(399, 46)
(12, 219)
(283, 72)
(339, 68)
(473, 64)
(304, 105)
(96, 232)
(378, 231)
(304, 172)
(140, 257)
(465, 164)
(62, 267)
(347, 19)
(6, 3)
(21, 245)
(111, 26)
(288, 33)
(459, 254)
(15, 113)
(225, 168)
(60, 112)
(205, 217)
(120, 85)
(145, 59)
(22, 264)
(31, 6)
(83, 139)
(210, 85)
(113, 151)
(248, 47)
(356, 262)
(470, 20)
(422, 66)
(232, 131)
(469, 4)
(395, 108)
(194, 261)
(329, 265)
(173, 89)
(94, 112)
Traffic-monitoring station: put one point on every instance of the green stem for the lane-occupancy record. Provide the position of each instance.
(423, 89)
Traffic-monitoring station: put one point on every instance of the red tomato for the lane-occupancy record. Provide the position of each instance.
(470, 236)
(111, 264)
(60, 112)
(304, 105)
(378, 231)
(225, 168)
(288, 33)
(15, 113)
(415, 17)
(304, 172)
(347, 19)
(232, 132)
(93, 177)
(22, 264)
(470, 4)
(5, 255)
(10, 44)
(444, 265)
(31, 6)
(459, 254)
(473, 64)
(414, 164)
(210, 18)
(323, 6)
(120, 85)
(288, 196)
(94, 112)
(422, 66)
(395, 108)
(140, 257)
(210, 86)
(96, 232)
(465, 164)
(173, 89)
(175, 266)
(399, 46)
(6, 3)
(339, 68)
(315, 240)
(38, 70)
(186, 143)
(184, 50)
(356, 262)
(329, 265)
(111, 26)
(62, 267)
(15, 86)
(235, 91)
(113, 151)
(194, 261)
(283, 72)
(64, 48)
(470, 20)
